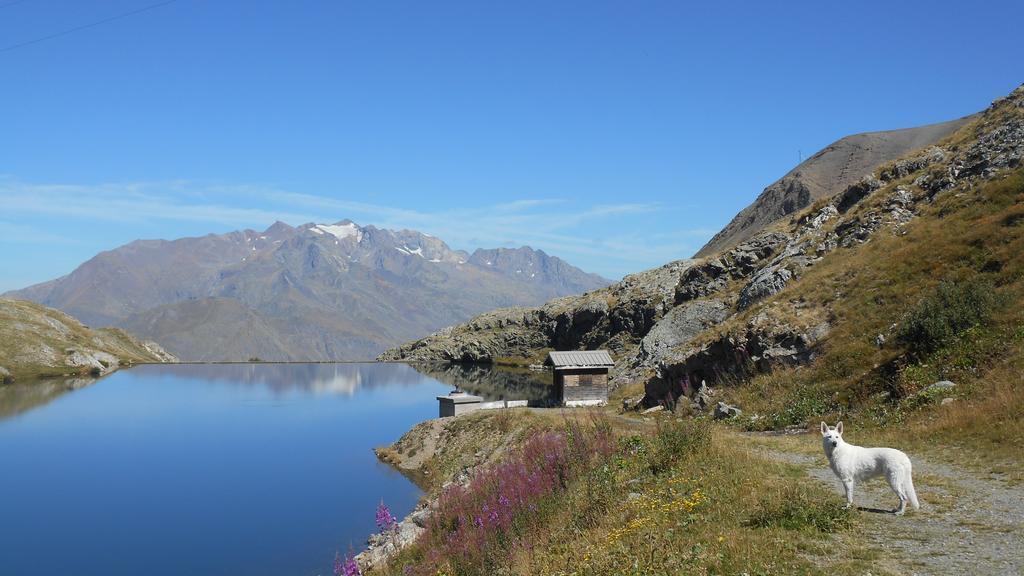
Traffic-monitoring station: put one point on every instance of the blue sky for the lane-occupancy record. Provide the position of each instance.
(617, 135)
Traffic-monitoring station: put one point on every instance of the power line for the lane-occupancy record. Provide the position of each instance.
(84, 26)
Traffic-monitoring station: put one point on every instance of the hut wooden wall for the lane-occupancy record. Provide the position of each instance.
(581, 385)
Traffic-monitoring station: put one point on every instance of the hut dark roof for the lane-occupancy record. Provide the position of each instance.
(579, 359)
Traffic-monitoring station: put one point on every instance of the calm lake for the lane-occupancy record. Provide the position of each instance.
(210, 469)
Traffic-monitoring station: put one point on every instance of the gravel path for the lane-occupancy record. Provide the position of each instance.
(968, 524)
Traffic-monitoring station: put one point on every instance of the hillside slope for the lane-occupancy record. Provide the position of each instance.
(896, 306)
(312, 292)
(40, 341)
(824, 175)
(733, 316)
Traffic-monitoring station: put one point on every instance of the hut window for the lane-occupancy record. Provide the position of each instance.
(586, 379)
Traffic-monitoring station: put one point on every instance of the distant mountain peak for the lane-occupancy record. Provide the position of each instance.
(316, 291)
(341, 230)
(278, 226)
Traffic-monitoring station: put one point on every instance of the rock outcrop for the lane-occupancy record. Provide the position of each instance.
(616, 317)
(380, 547)
(40, 341)
(724, 317)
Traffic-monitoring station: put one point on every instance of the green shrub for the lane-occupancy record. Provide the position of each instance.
(675, 439)
(794, 509)
(953, 308)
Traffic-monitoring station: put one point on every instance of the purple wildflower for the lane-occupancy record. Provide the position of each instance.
(346, 567)
(385, 521)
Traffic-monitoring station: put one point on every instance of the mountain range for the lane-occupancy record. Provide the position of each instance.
(312, 292)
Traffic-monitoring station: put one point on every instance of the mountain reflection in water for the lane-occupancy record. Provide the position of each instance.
(22, 396)
(343, 379)
(494, 382)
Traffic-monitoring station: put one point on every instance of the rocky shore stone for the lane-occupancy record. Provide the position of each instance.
(724, 411)
(632, 403)
(383, 545)
(940, 385)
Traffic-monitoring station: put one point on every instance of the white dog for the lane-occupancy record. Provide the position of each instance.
(855, 463)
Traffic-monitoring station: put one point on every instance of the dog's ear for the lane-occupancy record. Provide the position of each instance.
(824, 428)
(839, 428)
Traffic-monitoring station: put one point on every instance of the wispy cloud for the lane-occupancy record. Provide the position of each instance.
(133, 202)
(612, 239)
(14, 233)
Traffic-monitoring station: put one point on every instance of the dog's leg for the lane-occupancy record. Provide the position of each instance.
(848, 487)
(896, 484)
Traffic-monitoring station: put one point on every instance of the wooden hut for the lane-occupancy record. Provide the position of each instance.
(581, 377)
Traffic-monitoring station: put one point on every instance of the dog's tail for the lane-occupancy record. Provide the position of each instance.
(908, 486)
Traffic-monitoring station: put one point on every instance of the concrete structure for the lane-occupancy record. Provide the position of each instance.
(457, 402)
(503, 404)
(581, 377)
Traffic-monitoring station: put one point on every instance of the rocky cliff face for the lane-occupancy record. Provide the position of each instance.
(616, 317)
(314, 292)
(823, 175)
(40, 341)
(726, 316)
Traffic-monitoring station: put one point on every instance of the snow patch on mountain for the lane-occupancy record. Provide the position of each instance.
(340, 231)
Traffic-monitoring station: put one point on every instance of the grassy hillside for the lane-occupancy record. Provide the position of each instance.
(947, 299)
(915, 276)
(941, 299)
(38, 341)
(588, 493)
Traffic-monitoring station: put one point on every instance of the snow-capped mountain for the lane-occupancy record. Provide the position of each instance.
(312, 292)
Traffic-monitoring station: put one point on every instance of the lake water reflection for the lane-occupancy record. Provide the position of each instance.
(203, 469)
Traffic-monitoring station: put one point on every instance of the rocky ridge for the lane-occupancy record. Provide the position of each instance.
(823, 175)
(714, 318)
(40, 341)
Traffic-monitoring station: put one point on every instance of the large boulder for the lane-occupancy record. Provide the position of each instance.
(724, 411)
(766, 282)
(763, 344)
(857, 192)
(680, 325)
(906, 167)
(570, 327)
(748, 256)
(713, 275)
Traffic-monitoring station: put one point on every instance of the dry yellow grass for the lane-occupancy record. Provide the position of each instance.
(35, 341)
(713, 507)
(965, 236)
